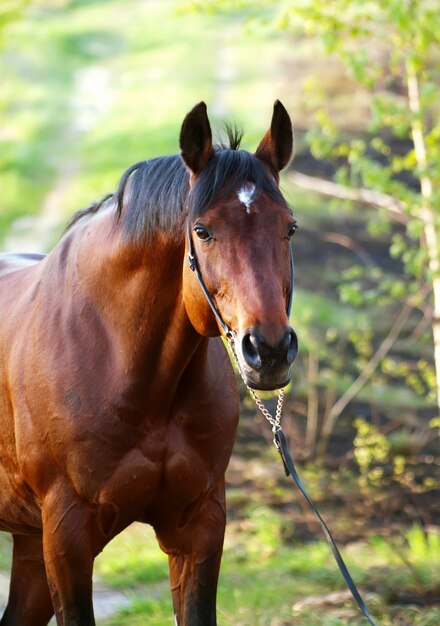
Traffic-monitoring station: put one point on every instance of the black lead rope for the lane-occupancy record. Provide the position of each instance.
(289, 467)
(279, 439)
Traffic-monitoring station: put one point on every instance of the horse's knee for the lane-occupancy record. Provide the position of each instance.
(210, 526)
(194, 551)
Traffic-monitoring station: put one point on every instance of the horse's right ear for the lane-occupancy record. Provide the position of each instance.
(196, 139)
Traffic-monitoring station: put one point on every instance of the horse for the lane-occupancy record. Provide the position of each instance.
(118, 401)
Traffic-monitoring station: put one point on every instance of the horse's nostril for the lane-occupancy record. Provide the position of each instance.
(250, 352)
(292, 346)
(286, 340)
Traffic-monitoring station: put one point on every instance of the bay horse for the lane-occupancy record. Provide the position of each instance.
(118, 402)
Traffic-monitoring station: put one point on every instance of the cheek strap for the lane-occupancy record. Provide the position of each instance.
(192, 259)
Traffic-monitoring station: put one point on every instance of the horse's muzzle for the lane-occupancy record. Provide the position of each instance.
(267, 366)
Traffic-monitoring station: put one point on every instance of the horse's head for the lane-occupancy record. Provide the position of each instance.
(239, 230)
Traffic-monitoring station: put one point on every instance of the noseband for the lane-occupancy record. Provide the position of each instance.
(194, 265)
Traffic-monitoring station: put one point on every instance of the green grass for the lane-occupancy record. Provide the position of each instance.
(266, 582)
(5, 551)
(132, 558)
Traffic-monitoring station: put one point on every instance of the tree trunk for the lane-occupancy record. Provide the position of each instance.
(427, 212)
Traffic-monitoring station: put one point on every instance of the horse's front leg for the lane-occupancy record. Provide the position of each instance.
(194, 563)
(29, 601)
(69, 550)
(194, 588)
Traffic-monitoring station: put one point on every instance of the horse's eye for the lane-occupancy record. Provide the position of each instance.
(202, 233)
(292, 230)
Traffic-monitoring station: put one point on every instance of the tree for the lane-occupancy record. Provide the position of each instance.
(391, 49)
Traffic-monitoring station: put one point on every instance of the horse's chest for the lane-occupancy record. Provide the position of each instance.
(188, 477)
(171, 469)
(187, 472)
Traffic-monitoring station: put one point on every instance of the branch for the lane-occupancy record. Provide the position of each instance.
(424, 324)
(373, 363)
(368, 196)
(351, 244)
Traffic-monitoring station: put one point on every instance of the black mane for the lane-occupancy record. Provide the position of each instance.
(157, 194)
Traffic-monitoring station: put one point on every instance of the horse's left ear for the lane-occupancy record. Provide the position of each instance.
(276, 147)
(196, 139)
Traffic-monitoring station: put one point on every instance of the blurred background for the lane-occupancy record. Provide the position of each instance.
(90, 87)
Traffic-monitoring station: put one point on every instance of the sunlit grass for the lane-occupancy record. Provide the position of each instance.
(5, 551)
(266, 582)
(133, 557)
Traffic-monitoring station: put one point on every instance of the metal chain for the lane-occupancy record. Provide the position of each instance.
(275, 422)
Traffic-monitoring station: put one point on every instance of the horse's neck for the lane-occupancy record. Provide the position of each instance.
(135, 293)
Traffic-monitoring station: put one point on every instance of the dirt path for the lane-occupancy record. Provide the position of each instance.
(105, 601)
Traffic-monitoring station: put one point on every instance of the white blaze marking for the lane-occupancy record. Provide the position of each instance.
(245, 196)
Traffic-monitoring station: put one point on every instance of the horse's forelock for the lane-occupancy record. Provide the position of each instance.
(227, 171)
(153, 195)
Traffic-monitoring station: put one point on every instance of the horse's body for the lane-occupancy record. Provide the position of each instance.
(117, 403)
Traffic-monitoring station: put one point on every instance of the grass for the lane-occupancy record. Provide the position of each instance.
(266, 582)
(5, 551)
(132, 558)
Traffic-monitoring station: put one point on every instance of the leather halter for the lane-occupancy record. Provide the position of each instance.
(194, 265)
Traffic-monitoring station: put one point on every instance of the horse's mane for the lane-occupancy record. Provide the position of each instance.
(157, 193)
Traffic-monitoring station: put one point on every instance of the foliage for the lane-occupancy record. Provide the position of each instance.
(10, 11)
(418, 550)
(386, 460)
(89, 88)
(390, 50)
(371, 449)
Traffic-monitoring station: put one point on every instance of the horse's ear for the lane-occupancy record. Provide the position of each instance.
(196, 139)
(276, 147)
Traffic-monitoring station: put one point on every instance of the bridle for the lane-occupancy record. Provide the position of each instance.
(194, 265)
(279, 438)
